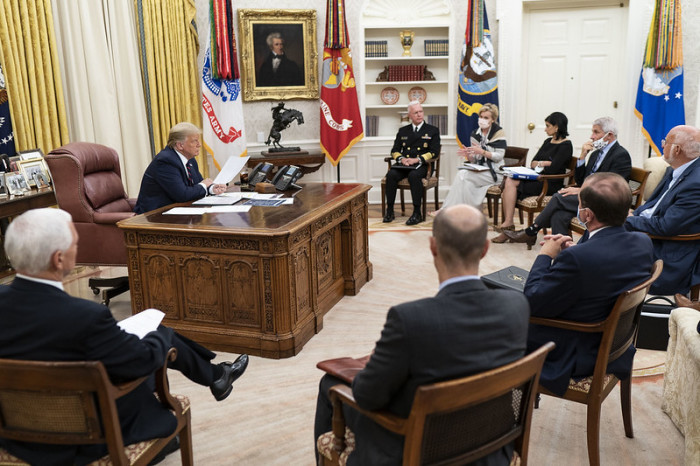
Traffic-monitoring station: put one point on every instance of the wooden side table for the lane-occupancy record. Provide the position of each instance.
(308, 162)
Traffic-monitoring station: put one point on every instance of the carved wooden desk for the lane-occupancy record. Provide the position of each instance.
(258, 282)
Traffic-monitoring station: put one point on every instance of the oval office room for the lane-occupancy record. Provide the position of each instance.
(148, 123)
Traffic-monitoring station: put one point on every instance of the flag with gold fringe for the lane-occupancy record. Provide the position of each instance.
(341, 124)
(7, 137)
(660, 91)
(478, 81)
(222, 108)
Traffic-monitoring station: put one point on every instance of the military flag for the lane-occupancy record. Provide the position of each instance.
(660, 91)
(7, 137)
(478, 81)
(222, 109)
(341, 124)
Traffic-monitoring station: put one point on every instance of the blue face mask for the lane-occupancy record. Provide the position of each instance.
(578, 217)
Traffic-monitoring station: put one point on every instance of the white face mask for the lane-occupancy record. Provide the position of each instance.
(484, 123)
(600, 143)
(578, 217)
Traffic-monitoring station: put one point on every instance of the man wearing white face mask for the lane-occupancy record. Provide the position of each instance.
(606, 155)
(581, 282)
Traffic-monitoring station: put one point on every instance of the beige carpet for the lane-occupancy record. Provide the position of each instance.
(268, 419)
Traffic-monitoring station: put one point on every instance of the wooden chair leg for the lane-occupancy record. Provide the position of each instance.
(437, 202)
(626, 402)
(403, 204)
(383, 199)
(496, 203)
(489, 209)
(186, 456)
(425, 203)
(520, 214)
(593, 433)
(695, 292)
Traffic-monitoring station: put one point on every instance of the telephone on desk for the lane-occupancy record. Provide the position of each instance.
(260, 173)
(286, 176)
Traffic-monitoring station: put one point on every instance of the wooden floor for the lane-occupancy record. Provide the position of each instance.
(268, 419)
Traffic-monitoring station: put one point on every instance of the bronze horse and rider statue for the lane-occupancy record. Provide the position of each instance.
(282, 117)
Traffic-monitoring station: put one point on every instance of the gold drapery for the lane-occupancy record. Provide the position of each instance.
(169, 45)
(33, 75)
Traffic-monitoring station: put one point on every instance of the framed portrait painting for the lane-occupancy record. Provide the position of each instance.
(278, 54)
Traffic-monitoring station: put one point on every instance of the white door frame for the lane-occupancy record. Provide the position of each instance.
(511, 65)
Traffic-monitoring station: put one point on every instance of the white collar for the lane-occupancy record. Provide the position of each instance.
(58, 285)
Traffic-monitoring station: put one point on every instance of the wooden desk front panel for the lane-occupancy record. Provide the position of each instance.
(263, 292)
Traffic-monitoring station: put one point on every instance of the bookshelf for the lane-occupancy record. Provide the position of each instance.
(430, 49)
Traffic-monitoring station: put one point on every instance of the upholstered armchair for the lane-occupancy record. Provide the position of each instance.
(88, 185)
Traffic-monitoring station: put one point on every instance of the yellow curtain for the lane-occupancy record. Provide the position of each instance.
(168, 45)
(33, 75)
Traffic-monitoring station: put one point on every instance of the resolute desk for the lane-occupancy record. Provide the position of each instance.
(258, 282)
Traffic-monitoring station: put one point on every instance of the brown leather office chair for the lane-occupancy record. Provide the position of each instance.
(87, 182)
(535, 204)
(431, 181)
(447, 421)
(637, 181)
(619, 332)
(515, 157)
(74, 403)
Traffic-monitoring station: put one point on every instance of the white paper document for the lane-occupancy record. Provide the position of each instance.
(473, 166)
(230, 169)
(219, 200)
(142, 323)
(260, 196)
(186, 211)
(521, 170)
(223, 209)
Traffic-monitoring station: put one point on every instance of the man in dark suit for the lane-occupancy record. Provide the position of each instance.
(278, 69)
(581, 282)
(40, 321)
(415, 144)
(173, 175)
(674, 209)
(606, 155)
(465, 329)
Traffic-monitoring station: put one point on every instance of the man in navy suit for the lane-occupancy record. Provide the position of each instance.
(582, 282)
(40, 321)
(465, 329)
(173, 175)
(606, 155)
(674, 209)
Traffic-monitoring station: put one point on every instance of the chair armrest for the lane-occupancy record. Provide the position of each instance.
(163, 387)
(126, 387)
(343, 394)
(595, 327)
(111, 218)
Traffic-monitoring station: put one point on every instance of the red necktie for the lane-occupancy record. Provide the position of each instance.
(189, 173)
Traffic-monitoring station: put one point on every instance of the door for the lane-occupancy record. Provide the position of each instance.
(573, 58)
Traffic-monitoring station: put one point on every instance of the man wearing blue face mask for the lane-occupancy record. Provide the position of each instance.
(606, 155)
(581, 282)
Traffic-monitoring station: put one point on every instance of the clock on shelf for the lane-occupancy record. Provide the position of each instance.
(417, 93)
(389, 95)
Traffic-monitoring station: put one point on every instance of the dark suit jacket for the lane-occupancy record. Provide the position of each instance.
(425, 143)
(677, 214)
(287, 74)
(582, 284)
(41, 322)
(617, 160)
(166, 182)
(465, 329)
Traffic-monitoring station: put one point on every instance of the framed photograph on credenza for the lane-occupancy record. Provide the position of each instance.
(33, 167)
(16, 184)
(31, 154)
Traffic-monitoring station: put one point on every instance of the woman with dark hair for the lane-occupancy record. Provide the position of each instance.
(552, 159)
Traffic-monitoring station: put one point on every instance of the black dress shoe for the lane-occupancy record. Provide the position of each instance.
(221, 388)
(521, 237)
(414, 219)
(389, 217)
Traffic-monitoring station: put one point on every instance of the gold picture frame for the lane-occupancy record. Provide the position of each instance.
(31, 167)
(31, 154)
(297, 31)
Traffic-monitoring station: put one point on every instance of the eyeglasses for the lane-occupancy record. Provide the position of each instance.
(663, 143)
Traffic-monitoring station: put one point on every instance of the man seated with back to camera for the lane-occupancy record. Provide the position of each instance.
(674, 209)
(581, 282)
(465, 329)
(415, 145)
(173, 175)
(606, 155)
(40, 321)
